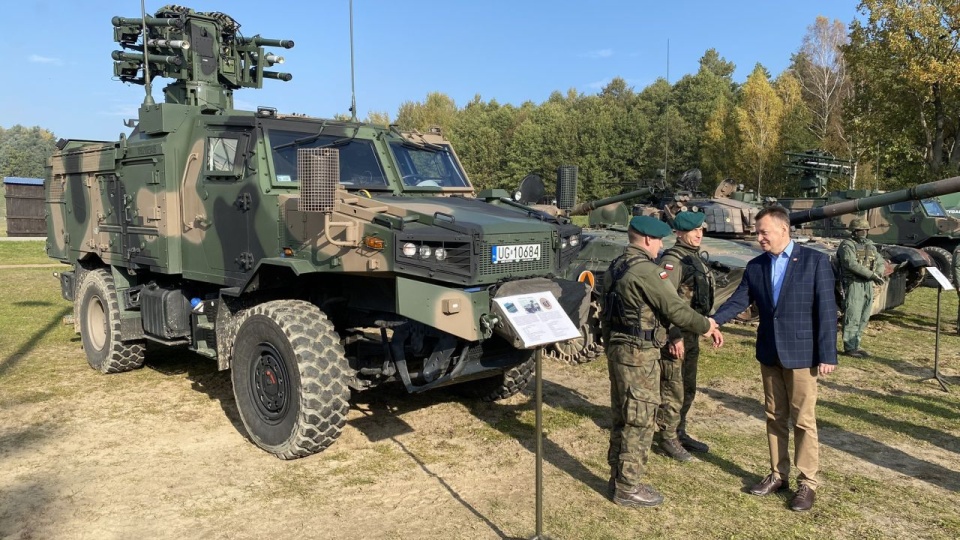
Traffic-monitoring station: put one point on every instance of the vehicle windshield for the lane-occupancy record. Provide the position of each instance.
(428, 166)
(359, 166)
(933, 208)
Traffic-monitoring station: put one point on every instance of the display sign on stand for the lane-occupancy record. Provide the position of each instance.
(943, 284)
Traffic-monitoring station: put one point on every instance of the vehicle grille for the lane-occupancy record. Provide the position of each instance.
(487, 268)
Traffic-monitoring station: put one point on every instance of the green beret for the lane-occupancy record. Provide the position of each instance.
(650, 226)
(688, 221)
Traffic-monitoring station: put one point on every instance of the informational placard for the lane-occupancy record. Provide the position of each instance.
(537, 318)
(942, 280)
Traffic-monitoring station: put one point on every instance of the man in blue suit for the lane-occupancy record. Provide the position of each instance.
(793, 289)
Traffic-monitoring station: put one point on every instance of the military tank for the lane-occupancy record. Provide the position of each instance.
(308, 256)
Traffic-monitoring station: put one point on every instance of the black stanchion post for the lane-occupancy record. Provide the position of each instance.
(936, 349)
(539, 414)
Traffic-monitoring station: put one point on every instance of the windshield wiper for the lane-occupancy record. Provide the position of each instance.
(315, 136)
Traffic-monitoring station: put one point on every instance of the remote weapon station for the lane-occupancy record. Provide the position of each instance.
(310, 257)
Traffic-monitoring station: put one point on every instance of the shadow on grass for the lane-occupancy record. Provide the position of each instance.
(858, 445)
(921, 433)
(905, 367)
(30, 342)
(382, 422)
(503, 418)
(739, 330)
(201, 372)
(27, 507)
(917, 403)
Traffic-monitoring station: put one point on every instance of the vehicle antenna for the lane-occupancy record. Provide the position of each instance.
(353, 83)
(148, 100)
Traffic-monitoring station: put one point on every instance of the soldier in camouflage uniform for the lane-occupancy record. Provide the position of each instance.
(694, 282)
(860, 267)
(638, 301)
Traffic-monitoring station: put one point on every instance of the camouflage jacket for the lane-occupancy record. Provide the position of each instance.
(859, 260)
(691, 277)
(641, 302)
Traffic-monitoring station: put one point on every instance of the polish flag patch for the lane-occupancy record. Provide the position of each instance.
(664, 275)
(668, 266)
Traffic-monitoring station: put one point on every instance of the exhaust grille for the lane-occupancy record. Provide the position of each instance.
(318, 170)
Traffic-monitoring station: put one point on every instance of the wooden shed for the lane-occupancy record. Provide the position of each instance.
(25, 209)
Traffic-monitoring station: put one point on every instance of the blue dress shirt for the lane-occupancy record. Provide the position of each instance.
(778, 267)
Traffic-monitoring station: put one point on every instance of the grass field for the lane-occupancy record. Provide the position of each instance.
(160, 452)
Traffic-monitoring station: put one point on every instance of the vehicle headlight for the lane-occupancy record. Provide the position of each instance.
(425, 252)
(440, 253)
(563, 243)
(409, 249)
(575, 240)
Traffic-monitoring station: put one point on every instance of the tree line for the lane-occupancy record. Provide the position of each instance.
(883, 93)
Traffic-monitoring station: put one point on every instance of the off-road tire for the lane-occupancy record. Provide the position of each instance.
(509, 383)
(99, 315)
(289, 375)
(944, 261)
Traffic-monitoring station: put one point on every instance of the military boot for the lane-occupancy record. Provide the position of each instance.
(642, 495)
(691, 444)
(672, 448)
(612, 484)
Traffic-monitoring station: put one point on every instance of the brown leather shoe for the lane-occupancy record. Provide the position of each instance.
(770, 484)
(642, 495)
(803, 500)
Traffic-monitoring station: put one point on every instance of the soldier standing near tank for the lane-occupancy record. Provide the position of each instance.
(638, 301)
(860, 267)
(694, 282)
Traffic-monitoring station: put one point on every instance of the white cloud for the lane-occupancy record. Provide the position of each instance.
(45, 60)
(599, 53)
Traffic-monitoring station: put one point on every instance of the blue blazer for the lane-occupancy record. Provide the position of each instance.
(801, 331)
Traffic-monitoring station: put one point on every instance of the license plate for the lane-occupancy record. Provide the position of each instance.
(523, 252)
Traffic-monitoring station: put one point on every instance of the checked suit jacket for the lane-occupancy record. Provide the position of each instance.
(801, 331)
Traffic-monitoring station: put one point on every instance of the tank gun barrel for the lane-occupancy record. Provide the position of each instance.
(922, 191)
(586, 207)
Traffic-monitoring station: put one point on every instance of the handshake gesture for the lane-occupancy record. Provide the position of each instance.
(714, 333)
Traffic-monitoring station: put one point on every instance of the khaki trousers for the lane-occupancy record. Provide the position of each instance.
(791, 394)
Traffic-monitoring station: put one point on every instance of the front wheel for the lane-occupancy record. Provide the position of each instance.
(943, 260)
(289, 374)
(99, 313)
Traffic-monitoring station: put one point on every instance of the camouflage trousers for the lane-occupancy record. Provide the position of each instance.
(634, 397)
(678, 387)
(858, 302)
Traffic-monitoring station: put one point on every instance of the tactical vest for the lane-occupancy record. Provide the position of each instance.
(698, 284)
(867, 255)
(615, 315)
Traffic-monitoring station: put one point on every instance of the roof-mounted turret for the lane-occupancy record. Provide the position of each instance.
(203, 52)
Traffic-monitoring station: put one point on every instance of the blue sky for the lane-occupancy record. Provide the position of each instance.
(60, 76)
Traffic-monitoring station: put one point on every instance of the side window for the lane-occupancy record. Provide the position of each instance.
(225, 155)
(904, 207)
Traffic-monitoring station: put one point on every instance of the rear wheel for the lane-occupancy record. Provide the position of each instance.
(99, 314)
(943, 260)
(289, 376)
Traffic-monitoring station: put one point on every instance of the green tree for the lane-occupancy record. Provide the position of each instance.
(437, 110)
(905, 59)
(24, 151)
(759, 119)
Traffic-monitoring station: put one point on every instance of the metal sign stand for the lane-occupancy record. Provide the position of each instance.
(539, 413)
(942, 283)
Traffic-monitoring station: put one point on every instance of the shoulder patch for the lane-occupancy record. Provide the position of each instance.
(664, 275)
(668, 266)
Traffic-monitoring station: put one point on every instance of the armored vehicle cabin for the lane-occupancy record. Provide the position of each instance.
(308, 256)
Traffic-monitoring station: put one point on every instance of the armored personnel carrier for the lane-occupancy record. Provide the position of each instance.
(310, 257)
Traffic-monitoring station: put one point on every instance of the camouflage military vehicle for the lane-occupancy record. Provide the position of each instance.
(310, 257)
(921, 223)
